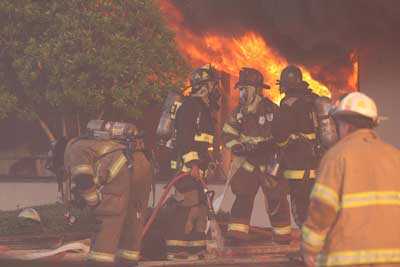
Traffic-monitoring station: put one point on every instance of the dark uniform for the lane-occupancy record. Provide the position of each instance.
(251, 128)
(117, 195)
(186, 223)
(295, 134)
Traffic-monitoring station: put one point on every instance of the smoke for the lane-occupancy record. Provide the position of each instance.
(308, 32)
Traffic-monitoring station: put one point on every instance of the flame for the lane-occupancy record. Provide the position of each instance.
(230, 54)
(353, 79)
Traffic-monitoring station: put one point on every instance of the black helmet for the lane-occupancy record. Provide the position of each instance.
(250, 76)
(291, 77)
(202, 75)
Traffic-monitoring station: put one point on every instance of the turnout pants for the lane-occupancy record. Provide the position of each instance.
(120, 214)
(244, 185)
(186, 223)
(300, 191)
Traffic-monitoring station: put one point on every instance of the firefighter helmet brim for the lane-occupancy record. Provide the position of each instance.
(357, 103)
(252, 77)
(291, 77)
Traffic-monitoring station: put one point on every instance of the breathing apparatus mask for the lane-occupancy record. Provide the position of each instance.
(247, 95)
(205, 81)
(250, 84)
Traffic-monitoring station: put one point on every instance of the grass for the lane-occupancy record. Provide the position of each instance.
(52, 222)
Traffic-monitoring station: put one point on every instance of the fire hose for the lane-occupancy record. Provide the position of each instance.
(216, 235)
(161, 202)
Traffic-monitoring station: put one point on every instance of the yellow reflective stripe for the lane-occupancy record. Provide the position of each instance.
(231, 143)
(358, 257)
(185, 243)
(248, 166)
(174, 164)
(283, 143)
(212, 148)
(192, 155)
(372, 198)
(116, 167)
(310, 136)
(82, 169)
(207, 138)
(101, 257)
(229, 129)
(282, 230)
(311, 238)
(186, 168)
(238, 227)
(298, 174)
(326, 195)
(131, 255)
(173, 256)
(252, 139)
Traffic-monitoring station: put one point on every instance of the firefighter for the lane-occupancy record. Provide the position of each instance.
(295, 135)
(194, 128)
(354, 212)
(250, 123)
(113, 179)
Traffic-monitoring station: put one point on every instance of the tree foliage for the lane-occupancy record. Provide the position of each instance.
(87, 56)
(7, 103)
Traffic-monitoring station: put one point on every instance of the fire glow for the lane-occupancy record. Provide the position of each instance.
(230, 54)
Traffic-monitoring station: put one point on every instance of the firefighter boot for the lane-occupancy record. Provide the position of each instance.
(239, 226)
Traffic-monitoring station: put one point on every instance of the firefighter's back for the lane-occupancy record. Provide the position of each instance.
(370, 200)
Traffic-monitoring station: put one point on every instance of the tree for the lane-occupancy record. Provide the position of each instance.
(7, 103)
(59, 59)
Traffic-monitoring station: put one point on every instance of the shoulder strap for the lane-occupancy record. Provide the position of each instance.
(290, 101)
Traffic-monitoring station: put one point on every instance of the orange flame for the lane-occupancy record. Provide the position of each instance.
(353, 79)
(230, 54)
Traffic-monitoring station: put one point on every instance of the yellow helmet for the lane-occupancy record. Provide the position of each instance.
(30, 214)
(357, 103)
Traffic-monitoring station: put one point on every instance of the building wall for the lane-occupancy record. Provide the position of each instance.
(380, 79)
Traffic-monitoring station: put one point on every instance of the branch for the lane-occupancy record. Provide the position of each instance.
(46, 129)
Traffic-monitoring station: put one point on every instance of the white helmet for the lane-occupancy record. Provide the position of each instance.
(359, 104)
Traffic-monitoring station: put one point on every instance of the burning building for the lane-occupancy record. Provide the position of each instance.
(203, 39)
(204, 34)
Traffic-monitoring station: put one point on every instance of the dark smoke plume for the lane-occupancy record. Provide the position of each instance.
(308, 32)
